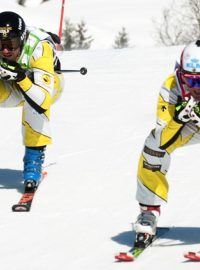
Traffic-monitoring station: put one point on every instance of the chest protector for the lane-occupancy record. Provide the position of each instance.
(34, 37)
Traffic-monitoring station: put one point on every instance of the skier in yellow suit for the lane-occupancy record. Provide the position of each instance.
(178, 124)
(30, 78)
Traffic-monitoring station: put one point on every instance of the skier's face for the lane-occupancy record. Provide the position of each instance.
(10, 48)
(192, 81)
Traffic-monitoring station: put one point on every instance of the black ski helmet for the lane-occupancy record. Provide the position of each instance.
(12, 25)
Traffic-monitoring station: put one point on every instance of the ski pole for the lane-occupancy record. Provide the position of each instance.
(82, 70)
(61, 23)
(61, 19)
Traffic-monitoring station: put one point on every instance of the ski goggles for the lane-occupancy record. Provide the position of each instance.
(191, 80)
(10, 44)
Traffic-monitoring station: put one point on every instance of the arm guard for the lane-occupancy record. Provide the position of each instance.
(37, 87)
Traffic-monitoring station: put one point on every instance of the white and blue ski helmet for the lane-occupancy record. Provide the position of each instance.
(190, 58)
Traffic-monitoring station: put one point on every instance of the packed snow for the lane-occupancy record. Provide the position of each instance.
(83, 211)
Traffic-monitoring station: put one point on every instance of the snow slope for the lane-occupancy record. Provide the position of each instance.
(83, 211)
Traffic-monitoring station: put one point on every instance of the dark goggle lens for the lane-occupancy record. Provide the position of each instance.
(10, 44)
(192, 81)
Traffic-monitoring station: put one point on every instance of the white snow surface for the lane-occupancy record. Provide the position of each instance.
(83, 211)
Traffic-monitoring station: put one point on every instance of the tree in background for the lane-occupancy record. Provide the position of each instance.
(121, 40)
(82, 41)
(68, 41)
(180, 23)
(21, 2)
(74, 36)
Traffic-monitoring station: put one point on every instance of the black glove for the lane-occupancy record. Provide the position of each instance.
(55, 37)
(183, 109)
(11, 71)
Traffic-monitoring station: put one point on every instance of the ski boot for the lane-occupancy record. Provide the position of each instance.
(33, 160)
(145, 233)
(145, 226)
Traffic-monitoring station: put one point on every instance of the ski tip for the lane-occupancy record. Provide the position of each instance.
(124, 257)
(20, 208)
(192, 256)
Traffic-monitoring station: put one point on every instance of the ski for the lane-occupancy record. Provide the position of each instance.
(25, 202)
(193, 256)
(138, 249)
